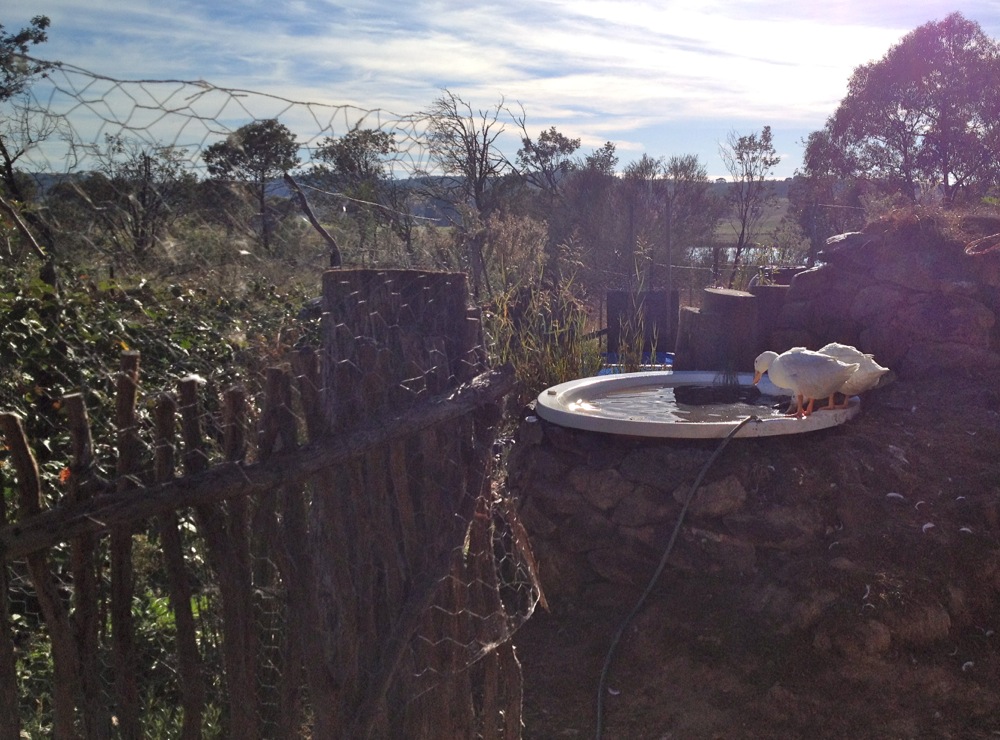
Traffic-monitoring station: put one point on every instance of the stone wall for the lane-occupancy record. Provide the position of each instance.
(912, 297)
(600, 507)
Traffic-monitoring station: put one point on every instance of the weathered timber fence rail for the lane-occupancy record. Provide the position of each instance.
(364, 583)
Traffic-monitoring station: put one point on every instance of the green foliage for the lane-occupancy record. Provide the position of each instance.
(54, 344)
(926, 114)
(356, 167)
(255, 154)
(147, 190)
(749, 159)
(544, 163)
(15, 70)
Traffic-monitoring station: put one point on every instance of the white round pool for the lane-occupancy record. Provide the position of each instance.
(643, 404)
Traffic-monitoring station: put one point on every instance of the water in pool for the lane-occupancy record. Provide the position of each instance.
(661, 403)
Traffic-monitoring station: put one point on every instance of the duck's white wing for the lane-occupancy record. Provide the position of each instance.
(814, 375)
(865, 378)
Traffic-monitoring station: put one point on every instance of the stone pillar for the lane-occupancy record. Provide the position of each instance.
(722, 336)
(770, 301)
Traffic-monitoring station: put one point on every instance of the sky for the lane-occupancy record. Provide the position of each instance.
(663, 78)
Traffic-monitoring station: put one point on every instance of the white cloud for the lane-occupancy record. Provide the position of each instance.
(599, 69)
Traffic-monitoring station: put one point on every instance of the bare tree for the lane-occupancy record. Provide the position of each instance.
(138, 191)
(463, 146)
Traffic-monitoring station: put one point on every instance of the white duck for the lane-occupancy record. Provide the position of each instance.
(864, 378)
(808, 375)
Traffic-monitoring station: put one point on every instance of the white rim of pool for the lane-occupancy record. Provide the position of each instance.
(642, 404)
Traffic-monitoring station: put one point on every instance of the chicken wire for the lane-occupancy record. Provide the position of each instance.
(76, 111)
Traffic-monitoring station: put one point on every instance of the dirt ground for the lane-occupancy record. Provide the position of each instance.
(883, 624)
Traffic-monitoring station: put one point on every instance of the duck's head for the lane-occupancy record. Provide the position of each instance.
(761, 364)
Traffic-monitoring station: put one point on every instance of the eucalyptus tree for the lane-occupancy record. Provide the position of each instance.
(824, 197)
(545, 165)
(691, 211)
(926, 115)
(594, 217)
(357, 167)
(16, 69)
(749, 159)
(254, 156)
(19, 133)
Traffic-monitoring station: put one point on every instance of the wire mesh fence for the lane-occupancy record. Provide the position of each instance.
(365, 589)
(183, 176)
(270, 602)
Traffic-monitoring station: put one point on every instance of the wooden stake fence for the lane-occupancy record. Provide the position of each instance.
(374, 540)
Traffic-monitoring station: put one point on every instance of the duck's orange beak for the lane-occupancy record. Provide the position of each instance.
(756, 377)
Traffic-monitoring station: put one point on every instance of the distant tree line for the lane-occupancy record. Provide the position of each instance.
(924, 119)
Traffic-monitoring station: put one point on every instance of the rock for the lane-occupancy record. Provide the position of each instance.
(529, 432)
(794, 315)
(779, 528)
(562, 574)
(563, 439)
(716, 551)
(873, 303)
(868, 638)
(715, 499)
(888, 294)
(930, 360)
(807, 613)
(808, 283)
(854, 640)
(887, 343)
(850, 247)
(619, 565)
(601, 488)
(644, 506)
(954, 319)
(535, 521)
(660, 467)
(556, 498)
(653, 536)
(585, 531)
(543, 463)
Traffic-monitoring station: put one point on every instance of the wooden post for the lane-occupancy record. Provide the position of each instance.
(84, 569)
(122, 575)
(65, 659)
(192, 680)
(287, 544)
(239, 643)
(721, 336)
(389, 528)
